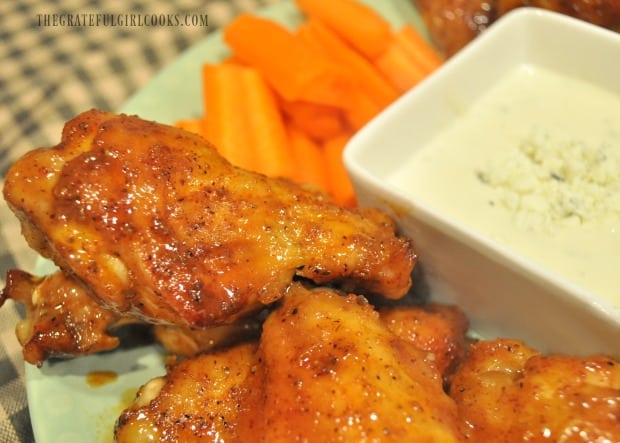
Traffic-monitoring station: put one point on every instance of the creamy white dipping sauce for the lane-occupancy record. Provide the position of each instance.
(535, 165)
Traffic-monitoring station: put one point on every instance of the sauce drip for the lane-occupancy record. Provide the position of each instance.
(96, 379)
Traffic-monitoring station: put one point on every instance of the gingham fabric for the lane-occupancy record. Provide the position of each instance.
(50, 72)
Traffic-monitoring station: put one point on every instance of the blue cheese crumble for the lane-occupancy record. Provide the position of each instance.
(546, 182)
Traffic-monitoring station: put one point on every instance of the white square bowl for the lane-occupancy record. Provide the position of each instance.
(503, 292)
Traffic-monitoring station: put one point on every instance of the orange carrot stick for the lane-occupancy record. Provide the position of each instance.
(402, 72)
(293, 69)
(418, 48)
(309, 159)
(243, 120)
(366, 75)
(320, 122)
(359, 25)
(223, 102)
(308, 37)
(340, 186)
(361, 109)
(272, 155)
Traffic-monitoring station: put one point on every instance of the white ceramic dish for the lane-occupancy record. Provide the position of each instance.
(64, 408)
(503, 293)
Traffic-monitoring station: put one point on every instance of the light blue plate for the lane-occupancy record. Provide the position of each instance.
(64, 407)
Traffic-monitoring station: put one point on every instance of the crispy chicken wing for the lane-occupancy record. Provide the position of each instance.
(454, 23)
(158, 226)
(62, 319)
(326, 369)
(508, 392)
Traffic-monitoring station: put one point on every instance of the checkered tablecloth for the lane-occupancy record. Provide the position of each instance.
(49, 72)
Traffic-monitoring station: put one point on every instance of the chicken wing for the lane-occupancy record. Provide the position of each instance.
(326, 369)
(62, 319)
(454, 23)
(199, 400)
(158, 226)
(508, 392)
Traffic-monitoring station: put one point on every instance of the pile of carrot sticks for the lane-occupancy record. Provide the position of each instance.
(286, 102)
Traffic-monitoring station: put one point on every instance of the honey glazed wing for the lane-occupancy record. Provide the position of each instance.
(158, 226)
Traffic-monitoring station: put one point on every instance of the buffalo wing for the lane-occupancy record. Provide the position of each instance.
(156, 225)
(326, 368)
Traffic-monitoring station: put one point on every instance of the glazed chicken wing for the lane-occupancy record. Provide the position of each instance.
(62, 318)
(199, 400)
(508, 392)
(158, 226)
(326, 369)
(454, 23)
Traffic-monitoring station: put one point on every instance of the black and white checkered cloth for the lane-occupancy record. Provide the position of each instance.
(49, 74)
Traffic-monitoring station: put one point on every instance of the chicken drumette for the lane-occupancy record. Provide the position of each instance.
(326, 368)
(509, 392)
(156, 226)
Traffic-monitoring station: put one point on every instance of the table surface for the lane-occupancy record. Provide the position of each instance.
(51, 71)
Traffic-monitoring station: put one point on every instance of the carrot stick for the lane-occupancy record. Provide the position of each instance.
(418, 48)
(361, 109)
(195, 125)
(320, 122)
(272, 155)
(309, 159)
(402, 72)
(308, 37)
(243, 120)
(368, 78)
(293, 69)
(340, 186)
(359, 25)
(223, 101)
